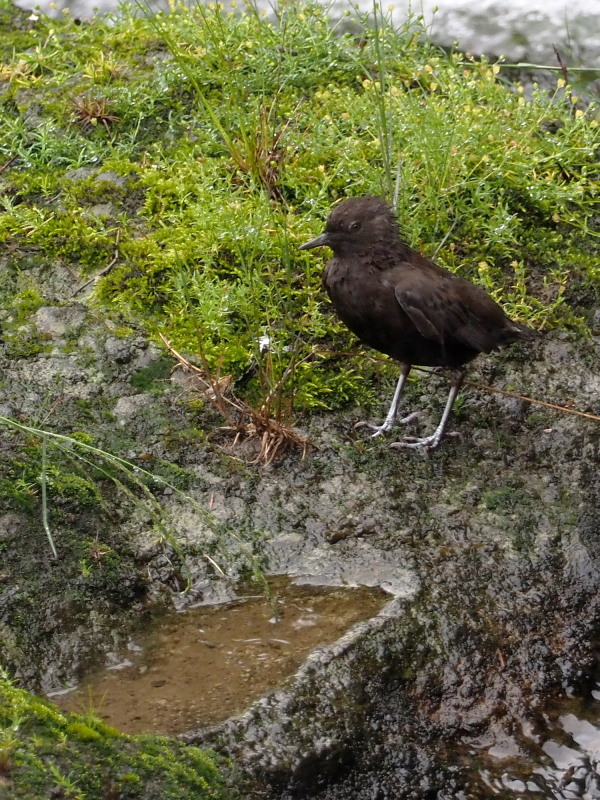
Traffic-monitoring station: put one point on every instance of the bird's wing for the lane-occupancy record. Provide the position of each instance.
(446, 308)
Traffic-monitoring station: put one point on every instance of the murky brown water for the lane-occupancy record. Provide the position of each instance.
(199, 667)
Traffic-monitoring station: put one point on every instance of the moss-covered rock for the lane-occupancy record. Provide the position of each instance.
(45, 753)
(157, 175)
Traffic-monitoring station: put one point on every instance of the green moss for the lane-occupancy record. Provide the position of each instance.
(152, 377)
(235, 135)
(42, 749)
(24, 304)
(507, 499)
(21, 345)
(79, 730)
(21, 480)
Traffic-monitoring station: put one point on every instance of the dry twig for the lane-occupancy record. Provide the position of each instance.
(243, 420)
(8, 163)
(104, 271)
(92, 111)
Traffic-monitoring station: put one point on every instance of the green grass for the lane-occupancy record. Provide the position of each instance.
(234, 134)
(46, 753)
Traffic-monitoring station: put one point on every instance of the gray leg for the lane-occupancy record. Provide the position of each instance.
(431, 442)
(390, 420)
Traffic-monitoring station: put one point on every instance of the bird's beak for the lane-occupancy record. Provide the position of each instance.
(320, 241)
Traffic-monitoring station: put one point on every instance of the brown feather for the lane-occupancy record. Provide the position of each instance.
(400, 302)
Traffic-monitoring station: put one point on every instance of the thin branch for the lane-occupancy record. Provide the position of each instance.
(505, 392)
(561, 63)
(44, 479)
(8, 163)
(484, 387)
(446, 237)
(106, 269)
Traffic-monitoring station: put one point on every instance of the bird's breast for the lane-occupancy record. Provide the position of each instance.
(362, 298)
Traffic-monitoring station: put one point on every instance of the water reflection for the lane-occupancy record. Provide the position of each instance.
(558, 757)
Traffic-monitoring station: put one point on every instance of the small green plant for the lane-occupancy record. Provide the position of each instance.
(91, 112)
(65, 784)
(44, 753)
(234, 141)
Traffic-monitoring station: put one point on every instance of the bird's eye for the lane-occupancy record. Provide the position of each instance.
(354, 226)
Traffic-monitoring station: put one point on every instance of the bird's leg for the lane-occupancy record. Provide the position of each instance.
(431, 442)
(389, 421)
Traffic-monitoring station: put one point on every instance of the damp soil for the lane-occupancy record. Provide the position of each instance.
(198, 667)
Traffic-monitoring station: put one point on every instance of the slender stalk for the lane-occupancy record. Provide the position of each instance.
(44, 479)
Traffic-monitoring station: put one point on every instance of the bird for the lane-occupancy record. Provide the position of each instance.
(403, 304)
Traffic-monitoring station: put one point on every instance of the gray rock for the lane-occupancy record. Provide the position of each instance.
(79, 174)
(119, 350)
(101, 210)
(130, 406)
(111, 177)
(55, 321)
(11, 524)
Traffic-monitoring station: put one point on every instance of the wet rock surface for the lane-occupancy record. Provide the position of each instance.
(503, 623)
(488, 549)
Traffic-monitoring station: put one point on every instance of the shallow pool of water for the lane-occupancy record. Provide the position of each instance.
(198, 667)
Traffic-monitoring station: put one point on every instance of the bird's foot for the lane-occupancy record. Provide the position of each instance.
(378, 430)
(385, 427)
(427, 444)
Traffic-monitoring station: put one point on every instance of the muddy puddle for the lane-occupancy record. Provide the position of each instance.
(198, 667)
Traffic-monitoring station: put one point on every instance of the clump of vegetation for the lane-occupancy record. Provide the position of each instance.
(46, 753)
(234, 134)
(92, 111)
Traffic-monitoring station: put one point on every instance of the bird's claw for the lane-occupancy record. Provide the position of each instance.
(385, 427)
(413, 443)
(428, 443)
(379, 430)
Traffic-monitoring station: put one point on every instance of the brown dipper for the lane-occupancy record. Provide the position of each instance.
(403, 304)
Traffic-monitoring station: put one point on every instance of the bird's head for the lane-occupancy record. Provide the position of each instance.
(357, 225)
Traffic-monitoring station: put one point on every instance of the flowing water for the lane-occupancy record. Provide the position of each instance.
(518, 29)
(554, 755)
